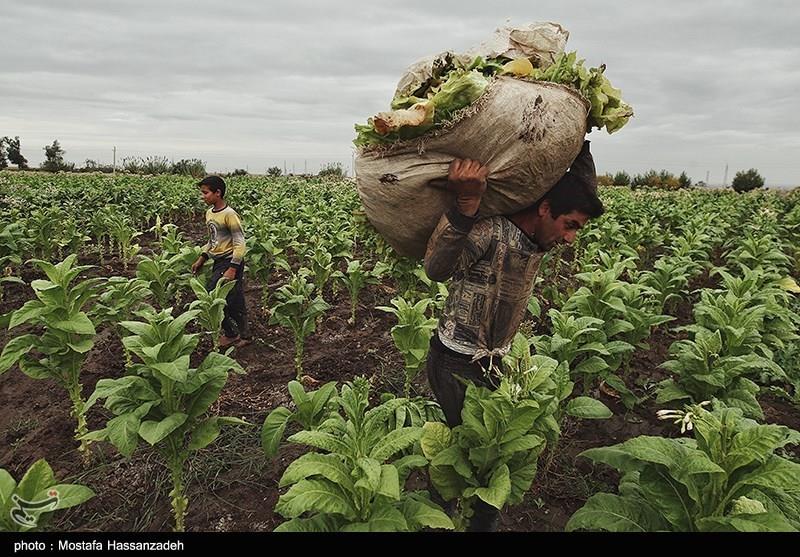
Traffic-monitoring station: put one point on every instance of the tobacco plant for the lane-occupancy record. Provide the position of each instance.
(703, 372)
(354, 279)
(297, 309)
(164, 401)
(210, 306)
(355, 483)
(727, 479)
(67, 334)
(411, 335)
(311, 410)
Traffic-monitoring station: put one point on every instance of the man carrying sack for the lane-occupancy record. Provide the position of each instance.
(493, 263)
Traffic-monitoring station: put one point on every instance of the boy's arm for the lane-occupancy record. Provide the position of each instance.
(237, 237)
(202, 258)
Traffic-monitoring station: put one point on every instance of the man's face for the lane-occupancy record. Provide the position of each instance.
(551, 232)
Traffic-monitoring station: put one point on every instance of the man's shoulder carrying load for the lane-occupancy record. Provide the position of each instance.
(526, 132)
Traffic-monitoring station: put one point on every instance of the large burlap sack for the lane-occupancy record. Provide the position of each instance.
(527, 133)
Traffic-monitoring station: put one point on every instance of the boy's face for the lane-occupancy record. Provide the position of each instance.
(209, 197)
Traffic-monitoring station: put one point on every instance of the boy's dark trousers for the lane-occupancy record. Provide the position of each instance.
(442, 365)
(235, 322)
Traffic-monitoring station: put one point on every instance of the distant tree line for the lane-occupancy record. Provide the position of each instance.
(743, 181)
(652, 179)
(54, 162)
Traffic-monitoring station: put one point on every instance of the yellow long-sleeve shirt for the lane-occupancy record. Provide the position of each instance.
(225, 235)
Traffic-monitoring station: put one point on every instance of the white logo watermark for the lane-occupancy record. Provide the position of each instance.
(26, 513)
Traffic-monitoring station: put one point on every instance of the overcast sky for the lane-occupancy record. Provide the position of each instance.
(247, 83)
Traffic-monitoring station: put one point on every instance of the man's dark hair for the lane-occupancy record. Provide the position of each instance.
(573, 194)
(577, 189)
(213, 183)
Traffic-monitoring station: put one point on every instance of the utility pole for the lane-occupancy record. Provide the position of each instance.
(708, 174)
(305, 168)
(725, 179)
(284, 167)
(114, 164)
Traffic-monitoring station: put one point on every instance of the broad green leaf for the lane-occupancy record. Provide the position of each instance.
(668, 497)
(69, 495)
(524, 443)
(99, 435)
(670, 453)
(669, 391)
(30, 311)
(596, 347)
(137, 328)
(35, 368)
(204, 434)
(618, 326)
(394, 442)
(320, 440)
(418, 514)
(36, 479)
(588, 408)
(499, 489)
(15, 349)
(7, 486)
(447, 482)
(321, 397)
(298, 394)
(745, 400)
(454, 456)
(789, 284)
(177, 326)
(386, 519)
(81, 347)
(123, 433)
(108, 387)
(310, 465)
(389, 484)
(214, 365)
(177, 370)
(272, 430)
(202, 400)
(594, 364)
(318, 523)
(153, 432)
(777, 473)
(761, 522)
(435, 438)
(371, 474)
(408, 463)
(604, 511)
(314, 496)
(521, 479)
(78, 324)
(754, 444)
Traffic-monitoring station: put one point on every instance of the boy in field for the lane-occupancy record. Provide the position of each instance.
(226, 247)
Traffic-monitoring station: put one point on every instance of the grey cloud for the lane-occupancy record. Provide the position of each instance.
(251, 83)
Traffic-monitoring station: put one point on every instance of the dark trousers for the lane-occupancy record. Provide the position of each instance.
(235, 322)
(443, 366)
